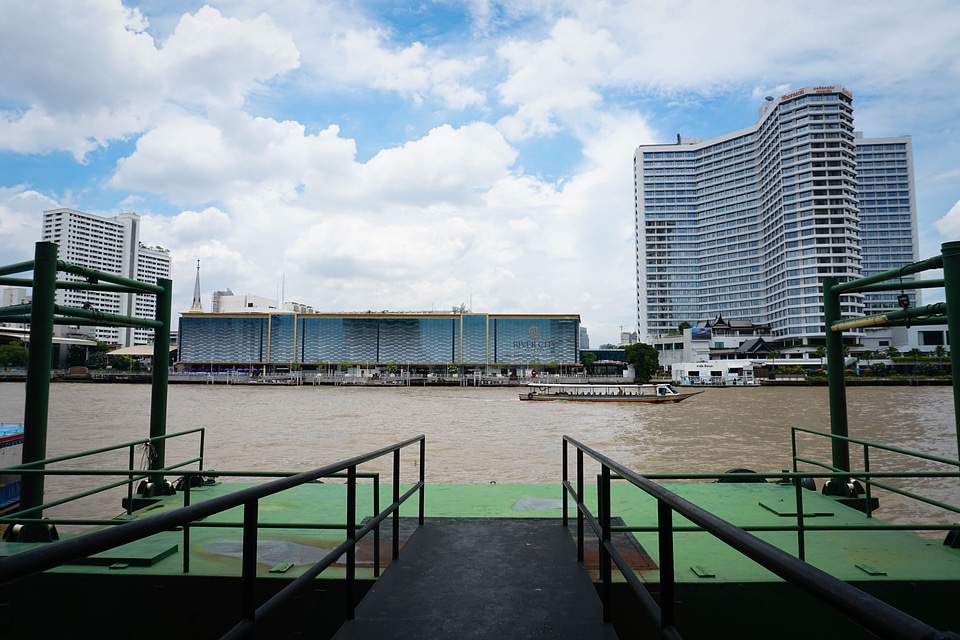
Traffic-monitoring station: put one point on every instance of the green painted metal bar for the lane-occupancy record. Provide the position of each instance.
(115, 447)
(950, 252)
(885, 447)
(161, 373)
(94, 277)
(16, 308)
(70, 285)
(897, 286)
(83, 322)
(109, 318)
(37, 401)
(835, 377)
(19, 267)
(895, 317)
(854, 286)
(89, 317)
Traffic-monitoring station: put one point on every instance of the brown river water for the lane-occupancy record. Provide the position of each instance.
(481, 435)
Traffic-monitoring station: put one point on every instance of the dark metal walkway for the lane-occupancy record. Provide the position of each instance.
(483, 578)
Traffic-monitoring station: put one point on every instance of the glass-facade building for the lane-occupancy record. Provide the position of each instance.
(888, 214)
(467, 339)
(749, 224)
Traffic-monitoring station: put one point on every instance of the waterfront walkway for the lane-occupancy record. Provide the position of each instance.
(479, 578)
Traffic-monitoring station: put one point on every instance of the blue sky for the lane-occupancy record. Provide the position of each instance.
(419, 155)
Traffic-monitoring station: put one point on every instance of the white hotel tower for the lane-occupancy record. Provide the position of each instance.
(747, 225)
(111, 245)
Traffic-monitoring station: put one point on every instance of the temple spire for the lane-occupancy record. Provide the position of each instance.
(197, 305)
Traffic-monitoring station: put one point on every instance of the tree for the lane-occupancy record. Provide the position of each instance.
(821, 353)
(13, 354)
(76, 355)
(915, 354)
(892, 352)
(644, 359)
(939, 352)
(683, 325)
(587, 358)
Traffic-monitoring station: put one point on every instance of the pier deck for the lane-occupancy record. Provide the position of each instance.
(485, 531)
(483, 578)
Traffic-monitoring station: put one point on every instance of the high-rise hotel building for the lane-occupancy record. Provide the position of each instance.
(111, 245)
(749, 224)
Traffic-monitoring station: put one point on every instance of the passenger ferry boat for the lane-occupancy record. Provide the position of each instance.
(11, 454)
(655, 393)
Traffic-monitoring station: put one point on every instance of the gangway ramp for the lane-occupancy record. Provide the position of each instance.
(499, 578)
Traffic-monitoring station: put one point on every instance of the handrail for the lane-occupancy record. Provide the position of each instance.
(866, 475)
(874, 615)
(56, 554)
(132, 476)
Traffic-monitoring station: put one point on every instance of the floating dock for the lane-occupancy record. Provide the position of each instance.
(492, 558)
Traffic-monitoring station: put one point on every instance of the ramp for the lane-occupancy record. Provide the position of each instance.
(497, 578)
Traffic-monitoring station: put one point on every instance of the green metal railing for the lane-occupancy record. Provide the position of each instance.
(42, 314)
(869, 612)
(55, 554)
(130, 476)
(867, 475)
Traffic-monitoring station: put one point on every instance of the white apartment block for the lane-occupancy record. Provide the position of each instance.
(748, 224)
(111, 245)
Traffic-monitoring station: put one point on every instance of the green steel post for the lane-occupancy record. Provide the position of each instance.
(835, 366)
(37, 401)
(161, 374)
(951, 289)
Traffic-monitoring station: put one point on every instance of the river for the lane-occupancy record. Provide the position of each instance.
(487, 435)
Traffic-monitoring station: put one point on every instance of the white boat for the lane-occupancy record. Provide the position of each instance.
(655, 393)
(11, 454)
(715, 373)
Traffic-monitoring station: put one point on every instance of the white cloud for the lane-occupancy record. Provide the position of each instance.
(195, 160)
(555, 75)
(89, 73)
(949, 224)
(20, 222)
(447, 165)
(211, 60)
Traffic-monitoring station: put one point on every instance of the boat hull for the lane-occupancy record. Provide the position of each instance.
(648, 400)
(11, 454)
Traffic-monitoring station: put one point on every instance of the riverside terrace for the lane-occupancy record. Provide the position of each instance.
(419, 343)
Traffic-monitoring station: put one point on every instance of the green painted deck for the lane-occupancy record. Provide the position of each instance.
(910, 572)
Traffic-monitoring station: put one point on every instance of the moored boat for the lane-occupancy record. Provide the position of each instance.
(11, 452)
(652, 393)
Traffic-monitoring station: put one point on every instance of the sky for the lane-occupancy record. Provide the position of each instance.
(415, 156)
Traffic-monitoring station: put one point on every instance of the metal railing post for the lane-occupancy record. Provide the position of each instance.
(160, 377)
(801, 540)
(667, 570)
(396, 499)
(563, 488)
(351, 568)
(130, 463)
(423, 484)
(37, 403)
(606, 573)
(248, 606)
(580, 523)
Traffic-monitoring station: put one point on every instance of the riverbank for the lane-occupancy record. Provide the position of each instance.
(433, 381)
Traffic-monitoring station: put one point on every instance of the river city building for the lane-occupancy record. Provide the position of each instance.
(428, 342)
(112, 245)
(748, 224)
